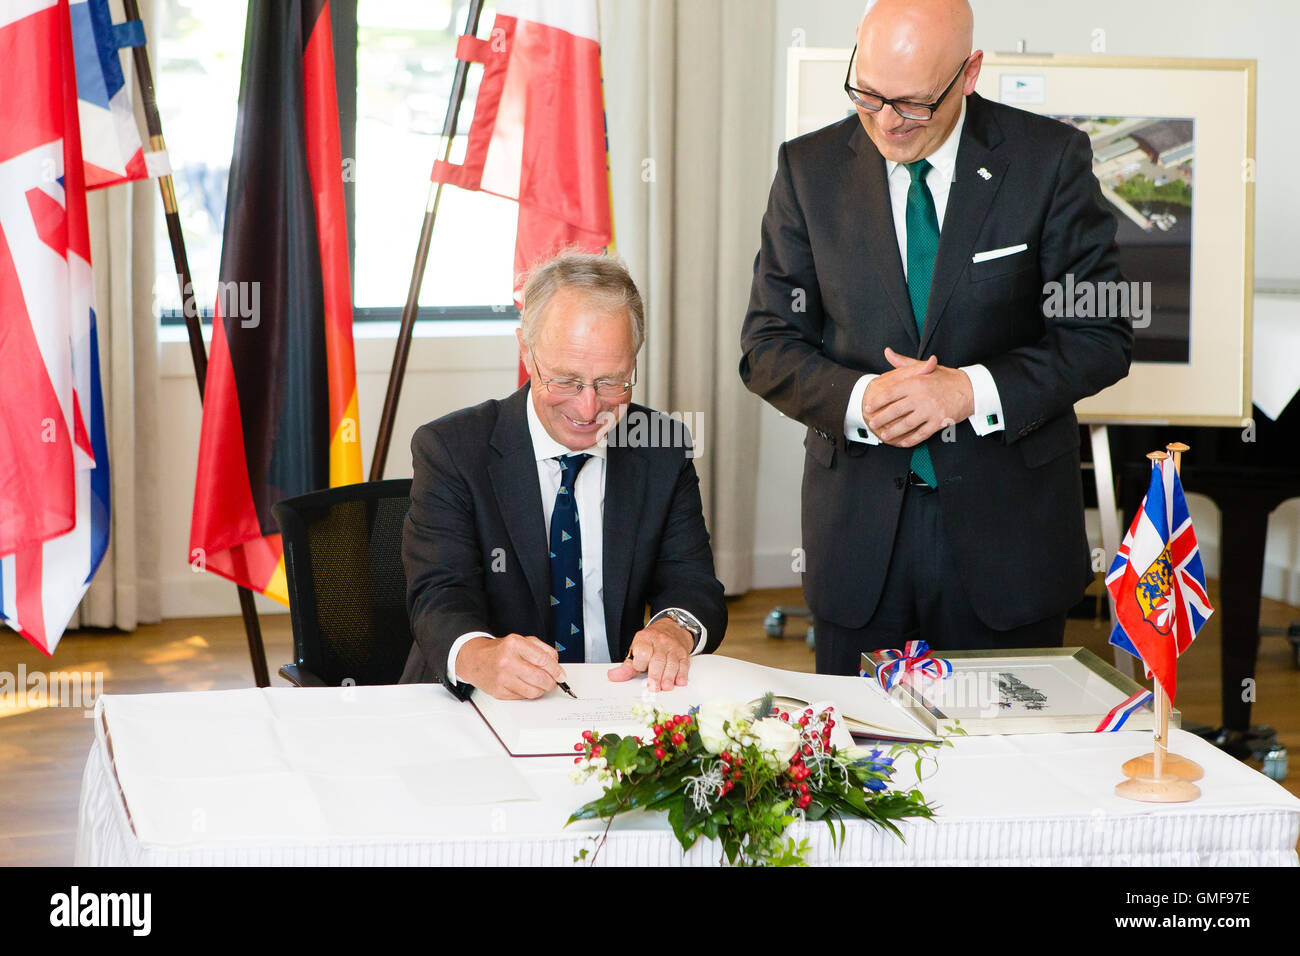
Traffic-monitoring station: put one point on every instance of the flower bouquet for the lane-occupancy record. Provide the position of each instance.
(742, 775)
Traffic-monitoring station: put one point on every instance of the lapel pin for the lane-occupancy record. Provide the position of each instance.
(984, 173)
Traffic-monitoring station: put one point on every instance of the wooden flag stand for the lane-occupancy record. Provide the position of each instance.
(1161, 777)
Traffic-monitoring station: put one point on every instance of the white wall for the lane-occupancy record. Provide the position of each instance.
(1263, 30)
(444, 373)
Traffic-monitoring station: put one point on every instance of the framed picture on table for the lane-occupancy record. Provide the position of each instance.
(1173, 148)
(1034, 691)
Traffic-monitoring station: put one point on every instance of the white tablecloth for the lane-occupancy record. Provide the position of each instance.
(409, 775)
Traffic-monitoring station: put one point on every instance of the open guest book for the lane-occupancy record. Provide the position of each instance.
(552, 724)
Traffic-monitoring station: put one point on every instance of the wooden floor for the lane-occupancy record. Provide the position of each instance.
(43, 750)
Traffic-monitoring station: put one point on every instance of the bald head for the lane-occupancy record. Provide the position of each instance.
(941, 31)
(910, 50)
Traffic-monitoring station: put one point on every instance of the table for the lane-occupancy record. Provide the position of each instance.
(407, 775)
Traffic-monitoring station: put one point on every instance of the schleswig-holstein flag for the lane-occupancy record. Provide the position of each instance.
(1157, 580)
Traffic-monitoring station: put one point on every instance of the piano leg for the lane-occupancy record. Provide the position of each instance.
(1241, 576)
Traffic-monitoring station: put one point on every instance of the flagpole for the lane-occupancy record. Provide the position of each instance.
(180, 260)
(411, 308)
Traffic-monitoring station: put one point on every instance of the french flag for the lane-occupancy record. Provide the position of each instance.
(54, 480)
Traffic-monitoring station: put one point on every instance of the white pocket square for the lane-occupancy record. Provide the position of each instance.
(998, 253)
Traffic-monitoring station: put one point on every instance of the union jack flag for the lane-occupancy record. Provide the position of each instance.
(1157, 580)
(54, 482)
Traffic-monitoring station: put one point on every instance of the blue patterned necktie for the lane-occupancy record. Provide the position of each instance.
(566, 566)
(922, 245)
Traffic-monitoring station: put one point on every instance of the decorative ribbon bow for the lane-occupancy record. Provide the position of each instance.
(915, 656)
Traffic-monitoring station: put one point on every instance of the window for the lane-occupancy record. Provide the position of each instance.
(405, 60)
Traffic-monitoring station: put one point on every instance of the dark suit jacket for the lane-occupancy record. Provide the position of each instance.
(829, 294)
(475, 546)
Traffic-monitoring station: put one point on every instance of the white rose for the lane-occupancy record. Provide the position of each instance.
(709, 722)
(777, 739)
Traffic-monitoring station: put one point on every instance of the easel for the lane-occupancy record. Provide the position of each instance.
(1104, 477)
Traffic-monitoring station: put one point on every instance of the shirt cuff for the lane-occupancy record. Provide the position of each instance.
(700, 641)
(988, 404)
(455, 649)
(855, 426)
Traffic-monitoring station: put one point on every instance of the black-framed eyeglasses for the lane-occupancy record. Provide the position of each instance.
(568, 387)
(874, 102)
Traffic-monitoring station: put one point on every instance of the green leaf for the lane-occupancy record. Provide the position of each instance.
(623, 757)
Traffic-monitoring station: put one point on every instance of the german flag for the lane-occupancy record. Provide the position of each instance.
(280, 403)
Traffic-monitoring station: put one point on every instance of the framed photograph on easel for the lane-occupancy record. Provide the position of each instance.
(1173, 148)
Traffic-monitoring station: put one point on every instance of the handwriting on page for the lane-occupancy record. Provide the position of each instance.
(597, 711)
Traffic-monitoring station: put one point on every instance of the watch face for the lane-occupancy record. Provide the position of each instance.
(685, 622)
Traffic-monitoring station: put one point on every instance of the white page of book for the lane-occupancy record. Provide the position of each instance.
(553, 723)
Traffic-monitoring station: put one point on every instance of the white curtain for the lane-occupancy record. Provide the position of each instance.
(125, 591)
(688, 99)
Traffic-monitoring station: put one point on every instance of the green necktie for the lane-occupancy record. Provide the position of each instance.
(922, 245)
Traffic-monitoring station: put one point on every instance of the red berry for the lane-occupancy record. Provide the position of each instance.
(805, 801)
(803, 788)
(727, 786)
(659, 753)
(586, 735)
(740, 761)
(678, 738)
(725, 755)
(785, 716)
(658, 729)
(577, 746)
(577, 760)
(807, 750)
(736, 776)
(808, 711)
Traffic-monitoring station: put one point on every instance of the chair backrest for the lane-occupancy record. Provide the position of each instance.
(347, 586)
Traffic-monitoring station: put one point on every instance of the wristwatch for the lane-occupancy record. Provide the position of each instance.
(686, 622)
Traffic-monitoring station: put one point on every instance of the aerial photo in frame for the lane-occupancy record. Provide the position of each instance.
(1144, 165)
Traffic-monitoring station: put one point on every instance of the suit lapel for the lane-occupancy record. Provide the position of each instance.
(976, 181)
(624, 490)
(880, 239)
(518, 493)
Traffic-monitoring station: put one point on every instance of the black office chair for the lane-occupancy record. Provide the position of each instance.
(347, 587)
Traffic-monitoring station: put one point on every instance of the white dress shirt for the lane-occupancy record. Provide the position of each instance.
(987, 417)
(589, 497)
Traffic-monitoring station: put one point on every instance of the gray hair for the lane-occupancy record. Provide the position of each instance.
(602, 278)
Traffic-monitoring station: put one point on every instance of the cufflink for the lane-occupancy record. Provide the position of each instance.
(991, 419)
(862, 433)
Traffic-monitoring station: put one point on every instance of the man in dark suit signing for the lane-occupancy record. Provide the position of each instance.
(542, 526)
(901, 310)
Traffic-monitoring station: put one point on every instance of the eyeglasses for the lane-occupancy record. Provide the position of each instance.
(568, 387)
(874, 102)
